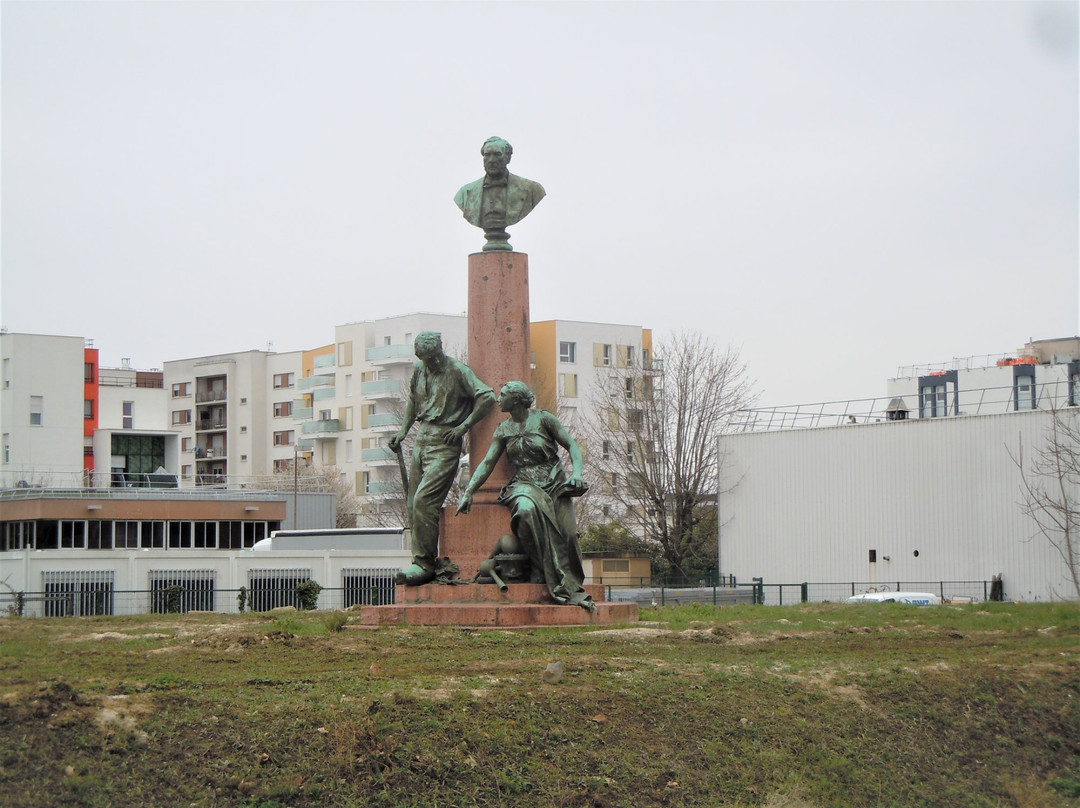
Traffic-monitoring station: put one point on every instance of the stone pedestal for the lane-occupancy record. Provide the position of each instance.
(498, 353)
(484, 606)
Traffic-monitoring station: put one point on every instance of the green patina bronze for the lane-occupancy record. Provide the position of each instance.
(539, 495)
(499, 199)
(447, 399)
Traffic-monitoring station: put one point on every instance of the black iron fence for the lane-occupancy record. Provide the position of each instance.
(375, 588)
(107, 601)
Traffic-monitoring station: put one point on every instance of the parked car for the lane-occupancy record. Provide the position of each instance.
(914, 598)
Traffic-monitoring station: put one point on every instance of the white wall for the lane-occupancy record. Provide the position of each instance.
(808, 504)
(50, 367)
(22, 570)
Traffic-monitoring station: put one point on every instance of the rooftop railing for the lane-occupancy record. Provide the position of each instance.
(980, 401)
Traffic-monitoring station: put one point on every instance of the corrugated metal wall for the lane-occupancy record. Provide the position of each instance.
(937, 499)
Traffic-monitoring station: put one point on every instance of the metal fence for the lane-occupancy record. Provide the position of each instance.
(730, 592)
(365, 590)
(376, 588)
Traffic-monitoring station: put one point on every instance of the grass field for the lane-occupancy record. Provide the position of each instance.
(803, 707)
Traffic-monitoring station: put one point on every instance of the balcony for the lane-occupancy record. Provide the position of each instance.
(322, 426)
(206, 396)
(211, 425)
(382, 388)
(323, 393)
(384, 422)
(390, 355)
(383, 488)
(379, 456)
(302, 412)
(310, 382)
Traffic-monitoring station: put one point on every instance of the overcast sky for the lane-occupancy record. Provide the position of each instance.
(836, 189)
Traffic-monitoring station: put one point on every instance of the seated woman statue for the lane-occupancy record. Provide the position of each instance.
(538, 493)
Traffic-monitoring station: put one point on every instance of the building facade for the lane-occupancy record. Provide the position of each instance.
(921, 486)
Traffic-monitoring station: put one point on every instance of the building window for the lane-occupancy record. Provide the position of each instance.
(37, 404)
(934, 394)
(568, 385)
(615, 565)
(1024, 390)
(1074, 384)
(7, 447)
(282, 408)
(325, 415)
(629, 388)
(567, 351)
(88, 408)
(129, 415)
(271, 588)
(348, 451)
(934, 401)
(281, 466)
(181, 591)
(78, 593)
(374, 587)
(88, 372)
(344, 353)
(181, 389)
(283, 438)
(185, 472)
(125, 535)
(601, 354)
(635, 420)
(181, 417)
(367, 482)
(283, 380)
(605, 450)
(186, 444)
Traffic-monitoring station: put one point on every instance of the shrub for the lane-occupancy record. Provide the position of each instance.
(307, 595)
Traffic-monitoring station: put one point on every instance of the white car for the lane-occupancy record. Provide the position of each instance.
(914, 598)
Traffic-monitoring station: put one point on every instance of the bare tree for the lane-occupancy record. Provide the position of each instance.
(323, 479)
(652, 445)
(1050, 483)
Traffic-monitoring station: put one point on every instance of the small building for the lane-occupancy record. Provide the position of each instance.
(617, 569)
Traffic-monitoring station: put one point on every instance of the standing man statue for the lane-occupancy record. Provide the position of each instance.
(448, 399)
(498, 199)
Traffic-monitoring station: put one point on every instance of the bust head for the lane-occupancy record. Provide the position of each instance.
(496, 153)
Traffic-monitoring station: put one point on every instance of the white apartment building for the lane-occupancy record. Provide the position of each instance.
(363, 400)
(237, 419)
(919, 489)
(41, 409)
(233, 414)
(578, 368)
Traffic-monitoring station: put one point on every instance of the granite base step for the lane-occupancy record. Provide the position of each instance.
(484, 605)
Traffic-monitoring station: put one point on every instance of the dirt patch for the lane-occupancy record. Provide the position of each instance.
(824, 681)
(116, 635)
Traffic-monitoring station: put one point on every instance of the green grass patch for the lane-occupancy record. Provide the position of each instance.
(799, 706)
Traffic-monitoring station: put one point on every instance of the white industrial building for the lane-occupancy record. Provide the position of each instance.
(919, 489)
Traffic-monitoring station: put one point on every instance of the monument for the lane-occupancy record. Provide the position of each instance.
(518, 498)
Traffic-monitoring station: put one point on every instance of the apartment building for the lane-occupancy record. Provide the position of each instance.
(233, 419)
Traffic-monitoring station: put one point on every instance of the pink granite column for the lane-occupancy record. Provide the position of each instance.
(498, 353)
